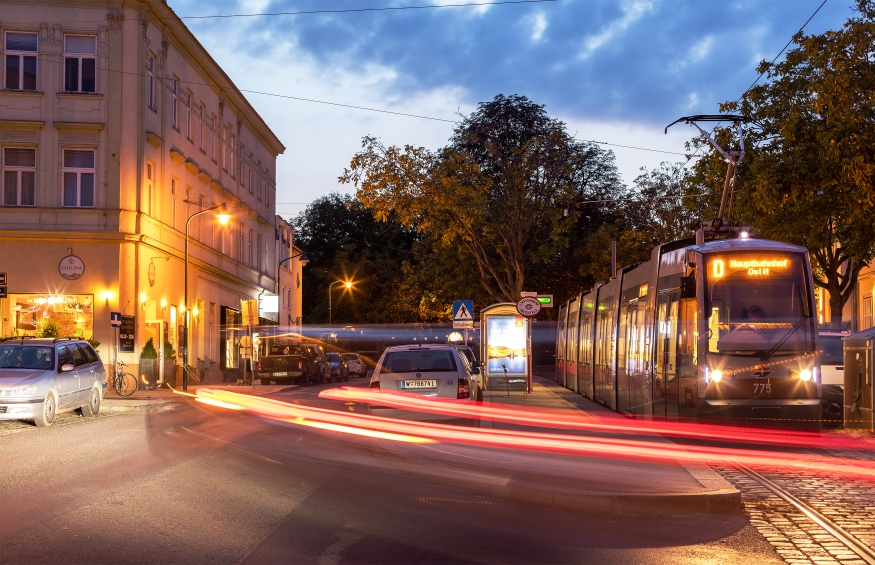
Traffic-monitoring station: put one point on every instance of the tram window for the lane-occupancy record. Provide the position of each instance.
(688, 338)
(752, 308)
(667, 338)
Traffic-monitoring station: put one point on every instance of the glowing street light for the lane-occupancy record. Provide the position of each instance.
(223, 216)
(348, 285)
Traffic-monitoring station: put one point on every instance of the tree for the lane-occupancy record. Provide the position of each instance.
(499, 189)
(343, 241)
(810, 172)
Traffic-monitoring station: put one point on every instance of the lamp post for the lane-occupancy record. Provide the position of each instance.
(223, 217)
(348, 285)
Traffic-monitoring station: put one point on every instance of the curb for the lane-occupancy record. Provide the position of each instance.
(135, 406)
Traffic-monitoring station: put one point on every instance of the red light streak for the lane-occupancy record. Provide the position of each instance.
(600, 447)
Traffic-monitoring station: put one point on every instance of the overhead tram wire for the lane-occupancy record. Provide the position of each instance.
(337, 11)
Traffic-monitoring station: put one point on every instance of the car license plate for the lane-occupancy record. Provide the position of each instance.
(281, 374)
(419, 384)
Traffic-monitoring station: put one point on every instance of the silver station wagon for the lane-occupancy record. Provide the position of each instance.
(41, 377)
(435, 371)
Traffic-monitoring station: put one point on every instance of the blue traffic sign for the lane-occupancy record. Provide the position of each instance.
(115, 319)
(463, 310)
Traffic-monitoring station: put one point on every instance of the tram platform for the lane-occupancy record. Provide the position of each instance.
(601, 484)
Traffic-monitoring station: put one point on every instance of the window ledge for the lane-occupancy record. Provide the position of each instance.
(83, 95)
(35, 93)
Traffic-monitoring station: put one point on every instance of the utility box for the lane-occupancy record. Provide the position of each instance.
(505, 348)
(859, 379)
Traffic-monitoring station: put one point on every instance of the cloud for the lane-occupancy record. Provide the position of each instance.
(539, 26)
(632, 12)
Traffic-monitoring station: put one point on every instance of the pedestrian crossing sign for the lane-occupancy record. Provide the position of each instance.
(463, 311)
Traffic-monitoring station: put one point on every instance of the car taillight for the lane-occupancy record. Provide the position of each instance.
(463, 391)
(259, 364)
(375, 384)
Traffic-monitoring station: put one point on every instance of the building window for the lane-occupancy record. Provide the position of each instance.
(78, 174)
(240, 244)
(233, 159)
(199, 114)
(258, 256)
(249, 252)
(19, 176)
(21, 58)
(150, 175)
(260, 188)
(213, 336)
(225, 148)
(174, 191)
(251, 174)
(174, 104)
(80, 63)
(188, 123)
(240, 170)
(150, 82)
(211, 135)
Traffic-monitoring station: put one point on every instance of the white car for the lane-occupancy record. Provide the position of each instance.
(356, 364)
(438, 371)
(832, 358)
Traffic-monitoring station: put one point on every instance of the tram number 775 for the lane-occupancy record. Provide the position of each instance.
(762, 388)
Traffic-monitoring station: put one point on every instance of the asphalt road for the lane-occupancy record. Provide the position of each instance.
(198, 484)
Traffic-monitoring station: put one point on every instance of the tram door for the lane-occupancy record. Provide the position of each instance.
(665, 383)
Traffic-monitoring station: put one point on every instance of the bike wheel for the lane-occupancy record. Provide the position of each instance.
(126, 384)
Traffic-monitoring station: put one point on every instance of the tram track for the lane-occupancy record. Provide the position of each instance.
(856, 546)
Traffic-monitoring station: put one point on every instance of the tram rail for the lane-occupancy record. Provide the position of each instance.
(855, 545)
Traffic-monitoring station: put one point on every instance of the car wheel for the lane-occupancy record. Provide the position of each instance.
(346, 376)
(47, 417)
(93, 407)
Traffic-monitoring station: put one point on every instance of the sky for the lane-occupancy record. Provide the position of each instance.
(615, 71)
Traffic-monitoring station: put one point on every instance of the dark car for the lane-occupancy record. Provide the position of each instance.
(339, 367)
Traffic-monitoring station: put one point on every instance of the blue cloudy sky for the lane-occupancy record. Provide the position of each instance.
(615, 71)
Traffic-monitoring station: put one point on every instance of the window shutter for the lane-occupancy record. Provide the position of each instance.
(80, 45)
(21, 42)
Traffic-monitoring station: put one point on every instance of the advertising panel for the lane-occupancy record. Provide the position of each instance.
(506, 345)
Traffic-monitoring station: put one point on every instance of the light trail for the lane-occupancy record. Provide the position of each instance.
(652, 451)
(570, 421)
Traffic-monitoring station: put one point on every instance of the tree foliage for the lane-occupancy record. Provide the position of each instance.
(499, 189)
(809, 176)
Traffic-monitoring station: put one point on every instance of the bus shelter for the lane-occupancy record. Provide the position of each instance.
(505, 348)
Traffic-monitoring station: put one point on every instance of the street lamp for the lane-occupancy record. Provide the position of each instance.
(223, 216)
(348, 285)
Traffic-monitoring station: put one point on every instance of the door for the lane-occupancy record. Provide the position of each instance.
(85, 371)
(665, 383)
(68, 381)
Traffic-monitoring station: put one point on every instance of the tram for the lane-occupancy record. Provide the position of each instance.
(719, 331)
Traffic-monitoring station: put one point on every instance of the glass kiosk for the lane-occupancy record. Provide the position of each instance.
(505, 344)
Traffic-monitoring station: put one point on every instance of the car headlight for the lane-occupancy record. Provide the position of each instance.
(23, 391)
(805, 374)
(716, 375)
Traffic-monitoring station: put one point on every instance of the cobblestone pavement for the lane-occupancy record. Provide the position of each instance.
(848, 503)
(64, 418)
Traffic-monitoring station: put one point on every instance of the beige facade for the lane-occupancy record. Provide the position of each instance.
(290, 264)
(112, 135)
(859, 310)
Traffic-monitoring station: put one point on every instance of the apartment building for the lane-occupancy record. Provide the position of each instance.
(116, 127)
(290, 263)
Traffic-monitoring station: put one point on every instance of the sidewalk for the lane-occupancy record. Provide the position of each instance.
(606, 485)
(162, 398)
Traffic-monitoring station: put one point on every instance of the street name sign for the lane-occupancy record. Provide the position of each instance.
(3, 292)
(526, 294)
(528, 307)
(2, 278)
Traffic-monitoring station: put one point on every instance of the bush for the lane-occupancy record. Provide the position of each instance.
(149, 351)
(94, 343)
(48, 328)
(169, 352)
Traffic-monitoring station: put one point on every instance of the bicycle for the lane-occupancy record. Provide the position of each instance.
(125, 383)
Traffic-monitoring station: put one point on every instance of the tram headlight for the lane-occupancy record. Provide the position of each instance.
(806, 374)
(716, 375)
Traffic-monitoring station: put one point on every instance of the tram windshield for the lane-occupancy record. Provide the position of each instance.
(758, 304)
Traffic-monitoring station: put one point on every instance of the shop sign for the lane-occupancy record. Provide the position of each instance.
(127, 333)
(71, 267)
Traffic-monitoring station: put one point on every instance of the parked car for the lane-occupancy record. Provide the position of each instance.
(286, 363)
(41, 377)
(439, 371)
(356, 364)
(315, 355)
(339, 367)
